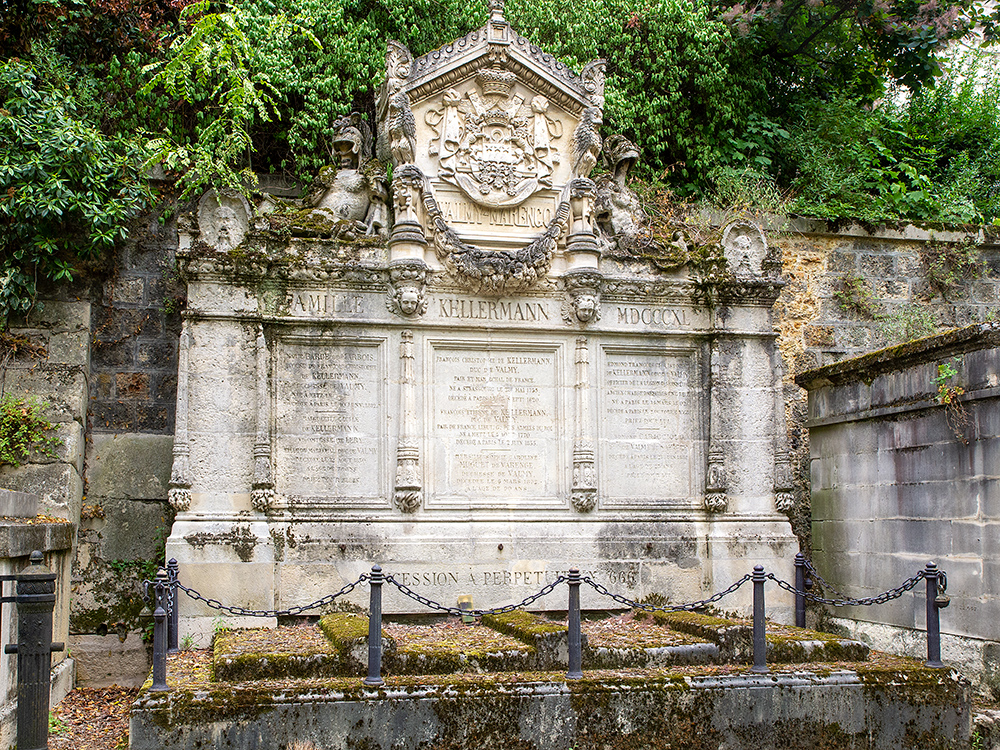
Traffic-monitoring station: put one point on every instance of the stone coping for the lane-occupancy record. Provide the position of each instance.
(20, 536)
(893, 358)
(887, 703)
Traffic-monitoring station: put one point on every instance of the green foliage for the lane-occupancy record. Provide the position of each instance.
(212, 65)
(23, 429)
(948, 264)
(670, 87)
(66, 190)
(935, 157)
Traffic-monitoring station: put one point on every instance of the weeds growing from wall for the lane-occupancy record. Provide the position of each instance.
(947, 265)
(23, 429)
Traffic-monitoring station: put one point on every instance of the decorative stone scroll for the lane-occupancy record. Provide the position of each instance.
(485, 271)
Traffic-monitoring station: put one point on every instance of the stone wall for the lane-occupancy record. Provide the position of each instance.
(900, 478)
(895, 275)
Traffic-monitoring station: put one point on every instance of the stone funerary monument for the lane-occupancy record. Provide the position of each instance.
(461, 374)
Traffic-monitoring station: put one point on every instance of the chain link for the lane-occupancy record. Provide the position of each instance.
(291, 611)
(407, 591)
(885, 596)
(826, 584)
(689, 607)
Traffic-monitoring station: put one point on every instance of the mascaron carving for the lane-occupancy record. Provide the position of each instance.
(582, 304)
(407, 281)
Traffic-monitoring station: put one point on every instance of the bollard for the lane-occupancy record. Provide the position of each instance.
(800, 590)
(161, 588)
(575, 667)
(374, 677)
(759, 633)
(933, 618)
(173, 576)
(36, 599)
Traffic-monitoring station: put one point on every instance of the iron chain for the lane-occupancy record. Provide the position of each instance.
(407, 591)
(689, 607)
(847, 601)
(826, 585)
(291, 611)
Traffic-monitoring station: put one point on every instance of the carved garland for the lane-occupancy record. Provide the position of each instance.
(495, 272)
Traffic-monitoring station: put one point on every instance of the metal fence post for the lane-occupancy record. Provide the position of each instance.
(575, 666)
(374, 677)
(172, 614)
(800, 590)
(161, 588)
(759, 634)
(36, 599)
(933, 617)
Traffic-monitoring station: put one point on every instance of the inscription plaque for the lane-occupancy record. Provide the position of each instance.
(648, 406)
(330, 417)
(496, 425)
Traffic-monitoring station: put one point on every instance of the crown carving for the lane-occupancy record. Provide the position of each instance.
(495, 81)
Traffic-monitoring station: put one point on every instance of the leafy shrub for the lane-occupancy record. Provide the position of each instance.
(66, 190)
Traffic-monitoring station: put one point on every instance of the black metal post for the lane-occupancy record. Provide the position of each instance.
(161, 589)
(575, 666)
(173, 621)
(374, 677)
(933, 617)
(800, 590)
(759, 633)
(36, 599)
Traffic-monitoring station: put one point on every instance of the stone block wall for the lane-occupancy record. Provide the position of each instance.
(893, 272)
(899, 479)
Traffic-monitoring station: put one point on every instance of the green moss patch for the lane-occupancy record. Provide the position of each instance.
(268, 653)
(453, 647)
(785, 644)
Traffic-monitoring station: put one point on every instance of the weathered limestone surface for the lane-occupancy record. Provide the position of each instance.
(480, 401)
(899, 479)
(839, 709)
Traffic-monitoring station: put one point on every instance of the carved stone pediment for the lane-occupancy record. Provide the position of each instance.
(486, 136)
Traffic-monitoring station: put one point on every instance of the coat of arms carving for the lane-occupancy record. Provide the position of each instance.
(492, 145)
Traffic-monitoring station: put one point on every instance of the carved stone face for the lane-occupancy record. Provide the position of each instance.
(586, 307)
(408, 300)
(347, 154)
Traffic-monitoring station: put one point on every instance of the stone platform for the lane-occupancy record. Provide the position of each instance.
(875, 701)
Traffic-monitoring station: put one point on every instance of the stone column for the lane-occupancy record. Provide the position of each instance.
(179, 493)
(408, 494)
(584, 496)
(262, 495)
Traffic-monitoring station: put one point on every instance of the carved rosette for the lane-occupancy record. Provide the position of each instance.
(408, 492)
(716, 484)
(262, 499)
(407, 282)
(582, 303)
(179, 498)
